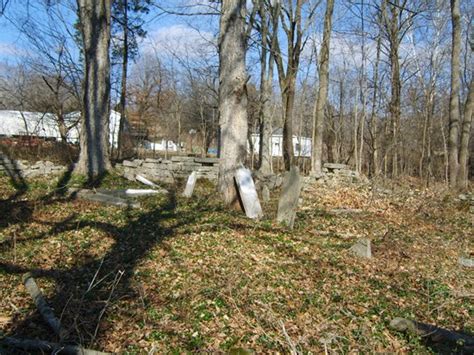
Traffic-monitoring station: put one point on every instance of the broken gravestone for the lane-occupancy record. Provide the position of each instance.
(248, 193)
(189, 189)
(362, 248)
(289, 198)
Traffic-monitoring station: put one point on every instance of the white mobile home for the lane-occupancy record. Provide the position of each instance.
(44, 125)
(301, 145)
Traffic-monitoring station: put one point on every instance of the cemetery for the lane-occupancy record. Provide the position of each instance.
(333, 251)
(236, 177)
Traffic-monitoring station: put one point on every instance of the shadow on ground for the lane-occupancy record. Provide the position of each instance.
(79, 302)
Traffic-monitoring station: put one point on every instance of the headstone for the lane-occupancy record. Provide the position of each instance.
(145, 181)
(105, 199)
(265, 193)
(188, 191)
(248, 193)
(289, 198)
(362, 248)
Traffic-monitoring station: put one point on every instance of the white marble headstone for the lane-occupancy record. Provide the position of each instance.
(189, 189)
(248, 193)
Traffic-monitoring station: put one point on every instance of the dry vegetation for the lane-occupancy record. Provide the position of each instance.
(189, 276)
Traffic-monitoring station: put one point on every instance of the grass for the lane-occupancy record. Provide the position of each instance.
(182, 275)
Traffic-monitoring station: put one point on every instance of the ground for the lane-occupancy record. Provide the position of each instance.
(188, 275)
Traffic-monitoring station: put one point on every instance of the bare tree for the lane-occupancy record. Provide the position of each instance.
(95, 17)
(290, 15)
(232, 96)
(319, 108)
(454, 113)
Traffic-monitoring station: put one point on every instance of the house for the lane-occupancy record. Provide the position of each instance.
(164, 145)
(301, 145)
(44, 125)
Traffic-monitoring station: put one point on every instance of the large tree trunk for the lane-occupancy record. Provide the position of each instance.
(123, 89)
(318, 117)
(395, 86)
(232, 96)
(453, 141)
(465, 137)
(94, 16)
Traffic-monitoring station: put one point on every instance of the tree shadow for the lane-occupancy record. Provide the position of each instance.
(82, 301)
(17, 209)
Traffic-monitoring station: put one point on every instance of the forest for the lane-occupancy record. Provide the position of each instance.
(236, 176)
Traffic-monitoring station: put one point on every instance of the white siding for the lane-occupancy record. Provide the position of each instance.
(301, 145)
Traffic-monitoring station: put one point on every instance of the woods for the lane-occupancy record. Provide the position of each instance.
(236, 176)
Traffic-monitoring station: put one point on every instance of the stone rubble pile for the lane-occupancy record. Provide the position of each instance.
(168, 170)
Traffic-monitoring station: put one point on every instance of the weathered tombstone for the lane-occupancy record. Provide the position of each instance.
(248, 193)
(265, 193)
(188, 191)
(362, 248)
(289, 198)
(105, 199)
(145, 181)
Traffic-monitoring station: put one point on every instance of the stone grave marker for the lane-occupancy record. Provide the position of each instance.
(145, 181)
(248, 193)
(189, 189)
(289, 198)
(362, 248)
(265, 193)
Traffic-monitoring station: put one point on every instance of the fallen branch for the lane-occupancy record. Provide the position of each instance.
(433, 333)
(47, 347)
(43, 307)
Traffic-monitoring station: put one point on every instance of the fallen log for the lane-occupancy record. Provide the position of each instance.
(434, 333)
(43, 307)
(48, 347)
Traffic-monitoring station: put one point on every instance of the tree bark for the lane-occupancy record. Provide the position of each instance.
(94, 16)
(266, 79)
(453, 140)
(232, 96)
(395, 85)
(318, 117)
(123, 84)
(465, 137)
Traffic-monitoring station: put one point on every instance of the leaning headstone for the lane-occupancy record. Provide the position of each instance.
(188, 191)
(248, 193)
(362, 248)
(289, 198)
(145, 181)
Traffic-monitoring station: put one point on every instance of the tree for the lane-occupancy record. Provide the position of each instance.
(94, 24)
(319, 108)
(290, 16)
(128, 27)
(266, 79)
(232, 96)
(454, 113)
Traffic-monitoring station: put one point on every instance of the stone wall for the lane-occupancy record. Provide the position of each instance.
(168, 170)
(28, 169)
